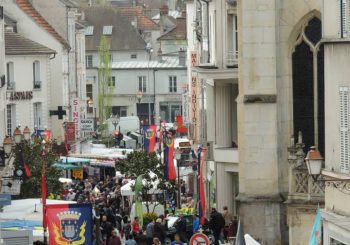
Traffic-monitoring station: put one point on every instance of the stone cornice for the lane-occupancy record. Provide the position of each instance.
(259, 98)
(246, 198)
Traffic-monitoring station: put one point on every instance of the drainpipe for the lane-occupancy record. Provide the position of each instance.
(207, 22)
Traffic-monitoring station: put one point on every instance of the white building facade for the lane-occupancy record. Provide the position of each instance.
(28, 83)
(336, 215)
(212, 92)
(160, 83)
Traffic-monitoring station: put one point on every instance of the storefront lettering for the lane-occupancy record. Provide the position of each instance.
(23, 95)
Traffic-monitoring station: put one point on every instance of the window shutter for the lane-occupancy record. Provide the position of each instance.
(344, 129)
(344, 18)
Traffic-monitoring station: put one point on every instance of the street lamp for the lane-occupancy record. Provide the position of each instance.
(178, 161)
(26, 133)
(314, 162)
(115, 121)
(7, 145)
(17, 135)
(91, 104)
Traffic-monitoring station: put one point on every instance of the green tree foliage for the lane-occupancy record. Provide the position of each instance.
(149, 166)
(32, 153)
(104, 74)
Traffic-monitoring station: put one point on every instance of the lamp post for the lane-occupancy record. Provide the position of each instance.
(178, 163)
(313, 162)
(115, 121)
(91, 105)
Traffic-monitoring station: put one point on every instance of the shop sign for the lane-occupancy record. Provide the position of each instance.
(20, 95)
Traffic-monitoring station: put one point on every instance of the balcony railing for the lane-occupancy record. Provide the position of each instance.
(303, 187)
(232, 59)
(37, 84)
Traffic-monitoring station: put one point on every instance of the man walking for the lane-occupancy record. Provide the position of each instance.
(149, 232)
(216, 224)
(228, 216)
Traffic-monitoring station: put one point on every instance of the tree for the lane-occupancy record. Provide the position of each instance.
(32, 156)
(104, 76)
(149, 166)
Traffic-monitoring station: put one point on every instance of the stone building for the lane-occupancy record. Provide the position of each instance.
(336, 214)
(246, 111)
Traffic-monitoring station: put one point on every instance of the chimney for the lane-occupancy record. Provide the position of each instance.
(182, 57)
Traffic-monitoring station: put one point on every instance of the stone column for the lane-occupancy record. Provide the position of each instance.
(260, 204)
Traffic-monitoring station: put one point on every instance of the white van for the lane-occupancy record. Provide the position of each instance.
(125, 124)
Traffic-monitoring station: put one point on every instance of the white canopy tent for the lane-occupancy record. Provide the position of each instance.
(126, 189)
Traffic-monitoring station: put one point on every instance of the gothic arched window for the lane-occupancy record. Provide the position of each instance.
(308, 85)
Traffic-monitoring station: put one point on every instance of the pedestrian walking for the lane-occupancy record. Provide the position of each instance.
(196, 223)
(216, 224)
(114, 239)
(181, 228)
(156, 241)
(159, 230)
(130, 240)
(177, 240)
(135, 225)
(149, 232)
(228, 216)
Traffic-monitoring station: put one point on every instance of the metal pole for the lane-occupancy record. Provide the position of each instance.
(95, 123)
(178, 185)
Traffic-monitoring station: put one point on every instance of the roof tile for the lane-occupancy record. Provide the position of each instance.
(27, 7)
(15, 44)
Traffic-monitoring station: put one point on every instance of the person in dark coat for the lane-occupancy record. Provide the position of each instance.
(114, 239)
(216, 224)
(181, 228)
(159, 230)
(106, 228)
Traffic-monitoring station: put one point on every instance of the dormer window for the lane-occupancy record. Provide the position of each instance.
(89, 31)
(107, 30)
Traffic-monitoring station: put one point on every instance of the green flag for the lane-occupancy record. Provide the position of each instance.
(138, 202)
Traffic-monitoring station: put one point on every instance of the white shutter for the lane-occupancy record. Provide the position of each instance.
(344, 129)
(344, 18)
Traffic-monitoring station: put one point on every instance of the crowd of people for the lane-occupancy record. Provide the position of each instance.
(112, 224)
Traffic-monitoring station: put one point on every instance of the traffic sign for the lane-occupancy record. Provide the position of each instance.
(87, 125)
(199, 239)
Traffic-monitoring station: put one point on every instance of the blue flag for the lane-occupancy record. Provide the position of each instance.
(316, 233)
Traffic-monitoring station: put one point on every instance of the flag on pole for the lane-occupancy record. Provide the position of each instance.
(202, 201)
(149, 137)
(138, 201)
(24, 165)
(316, 233)
(43, 193)
(169, 170)
(240, 234)
(69, 223)
(161, 133)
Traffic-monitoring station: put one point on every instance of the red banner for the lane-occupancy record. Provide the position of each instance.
(70, 131)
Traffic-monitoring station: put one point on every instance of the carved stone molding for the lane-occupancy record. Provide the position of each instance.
(259, 98)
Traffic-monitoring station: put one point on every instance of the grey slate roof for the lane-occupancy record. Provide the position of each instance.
(124, 36)
(166, 63)
(15, 44)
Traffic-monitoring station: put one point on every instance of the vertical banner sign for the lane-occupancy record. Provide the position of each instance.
(150, 137)
(69, 224)
(70, 131)
(75, 116)
(194, 105)
(169, 167)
